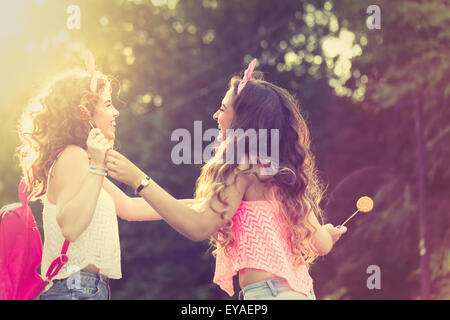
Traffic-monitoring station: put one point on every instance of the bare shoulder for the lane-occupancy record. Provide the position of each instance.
(71, 162)
(245, 173)
(73, 156)
(68, 170)
(249, 182)
(255, 172)
(257, 186)
(74, 151)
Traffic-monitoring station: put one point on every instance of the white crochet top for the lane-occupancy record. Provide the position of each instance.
(98, 244)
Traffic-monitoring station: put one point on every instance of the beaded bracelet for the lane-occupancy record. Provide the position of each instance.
(100, 173)
(98, 167)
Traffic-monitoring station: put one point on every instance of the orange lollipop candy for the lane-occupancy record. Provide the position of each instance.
(364, 204)
(84, 114)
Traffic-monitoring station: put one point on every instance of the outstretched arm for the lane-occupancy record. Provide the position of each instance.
(196, 225)
(134, 208)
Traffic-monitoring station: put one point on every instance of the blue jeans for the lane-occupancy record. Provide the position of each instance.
(82, 285)
(273, 289)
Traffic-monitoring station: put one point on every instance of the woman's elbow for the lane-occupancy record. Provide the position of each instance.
(199, 234)
(325, 250)
(138, 217)
(197, 237)
(125, 216)
(68, 232)
(322, 243)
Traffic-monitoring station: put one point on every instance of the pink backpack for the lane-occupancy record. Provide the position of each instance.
(21, 252)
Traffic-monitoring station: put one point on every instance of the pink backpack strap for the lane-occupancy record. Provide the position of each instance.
(59, 262)
(24, 196)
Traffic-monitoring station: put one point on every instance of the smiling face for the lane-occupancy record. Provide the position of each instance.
(224, 116)
(105, 115)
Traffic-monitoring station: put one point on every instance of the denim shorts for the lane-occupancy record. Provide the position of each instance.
(273, 289)
(82, 285)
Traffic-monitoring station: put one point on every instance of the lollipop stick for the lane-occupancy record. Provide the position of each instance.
(349, 218)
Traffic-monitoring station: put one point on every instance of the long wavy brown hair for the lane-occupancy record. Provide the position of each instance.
(296, 184)
(51, 122)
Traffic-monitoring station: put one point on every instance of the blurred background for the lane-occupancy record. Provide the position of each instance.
(376, 102)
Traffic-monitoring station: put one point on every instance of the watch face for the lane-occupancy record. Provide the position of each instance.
(145, 182)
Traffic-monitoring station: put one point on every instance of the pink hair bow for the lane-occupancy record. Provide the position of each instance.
(90, 66)
(247, 76)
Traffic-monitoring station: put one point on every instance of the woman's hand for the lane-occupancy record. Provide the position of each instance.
(123, 170)
(335, 232)
(97, 145)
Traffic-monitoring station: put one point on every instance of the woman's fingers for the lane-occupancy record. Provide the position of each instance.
(94, 132)
(95, 135)
(112, 162)
(114, 154)
(113, 170)
(335, 232)
(120, 167)
(105, 142)
(113, 174)
(110, 154)
(340, 231)
(97, 145)
(100, 138)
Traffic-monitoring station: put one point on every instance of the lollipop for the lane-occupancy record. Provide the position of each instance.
(84, 114)
(364, 204)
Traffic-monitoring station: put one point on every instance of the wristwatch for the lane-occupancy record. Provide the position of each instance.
(144, 183)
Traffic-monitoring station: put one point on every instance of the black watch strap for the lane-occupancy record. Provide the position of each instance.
(142, 186)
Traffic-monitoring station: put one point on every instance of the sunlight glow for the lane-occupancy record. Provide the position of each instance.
(11, 18)
(342, 45)
(338, 52)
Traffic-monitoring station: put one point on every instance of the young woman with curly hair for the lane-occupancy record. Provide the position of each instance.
(63, 160)
(263, 225)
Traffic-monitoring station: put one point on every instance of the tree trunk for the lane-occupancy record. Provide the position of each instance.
(424, 256)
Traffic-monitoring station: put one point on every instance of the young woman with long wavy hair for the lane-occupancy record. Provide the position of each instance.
(62, 159)
(262, 225)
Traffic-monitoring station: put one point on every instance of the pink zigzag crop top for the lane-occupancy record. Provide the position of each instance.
(260, 242)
